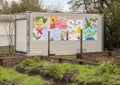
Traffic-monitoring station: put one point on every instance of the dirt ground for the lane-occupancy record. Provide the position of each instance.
(87, 58)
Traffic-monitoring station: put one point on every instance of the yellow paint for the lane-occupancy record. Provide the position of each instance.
(78, 31)
(91, 23)
(40, 21)
(53, 20)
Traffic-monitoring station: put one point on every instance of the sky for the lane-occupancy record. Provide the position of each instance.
(61, 3)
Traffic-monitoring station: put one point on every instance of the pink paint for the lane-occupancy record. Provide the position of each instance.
(39, 31)
(61, 23)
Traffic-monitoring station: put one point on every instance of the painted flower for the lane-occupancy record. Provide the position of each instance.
(39, 31)
(52, 26)
(91, 23)
(53, 20)
(78, 31)
(40, 21)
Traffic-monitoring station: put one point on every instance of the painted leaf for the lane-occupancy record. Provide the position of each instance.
(86, 26)
(44, 20)
(34, 35)
(95, 32)
(38, 18)
(38, 37)
(87, 22)
(93, 19)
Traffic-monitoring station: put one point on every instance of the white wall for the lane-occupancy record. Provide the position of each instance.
(21, 35)
(4, 31)
(67, 47)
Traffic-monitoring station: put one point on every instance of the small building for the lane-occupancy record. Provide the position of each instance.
(31, 33)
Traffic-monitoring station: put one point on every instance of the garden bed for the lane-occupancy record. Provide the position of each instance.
(64, 73)
(73, 74)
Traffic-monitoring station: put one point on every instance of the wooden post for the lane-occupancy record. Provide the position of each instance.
(81, 44)
(48, 43)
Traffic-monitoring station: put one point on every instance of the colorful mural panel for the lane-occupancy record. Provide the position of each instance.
(57, 34)
(72, 34)
(41, 26)
(89, 28)
(41, 22)
(62, 28)
(74, 29)
(40, 34)
(58, 22)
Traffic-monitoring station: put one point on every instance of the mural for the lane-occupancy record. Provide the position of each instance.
(40, 34)
(41, 22)
(73, 34)
(89, 29)
(41, 26)
(58, 22)
(57, 34)
(62, 28)
(74, 29)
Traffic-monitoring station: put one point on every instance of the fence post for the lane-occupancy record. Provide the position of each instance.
(48, 43)
(81, 46)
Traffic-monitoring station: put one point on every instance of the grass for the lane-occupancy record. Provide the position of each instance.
(11, 76)
(5, 49)
(106, 72)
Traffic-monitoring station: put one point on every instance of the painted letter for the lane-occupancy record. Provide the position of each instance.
(70, 24)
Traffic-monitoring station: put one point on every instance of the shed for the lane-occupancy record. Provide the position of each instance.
(31, 33)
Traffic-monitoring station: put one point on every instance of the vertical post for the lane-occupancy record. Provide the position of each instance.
(9, 35)
(81, 44)
(48, 43)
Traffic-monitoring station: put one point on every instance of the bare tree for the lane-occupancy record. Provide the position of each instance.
(9, 29)
(4, 7)
(54, 8)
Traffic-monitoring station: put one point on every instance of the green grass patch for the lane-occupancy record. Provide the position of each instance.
(11, 76)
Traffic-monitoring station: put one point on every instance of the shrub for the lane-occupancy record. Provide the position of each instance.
(56, 71)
